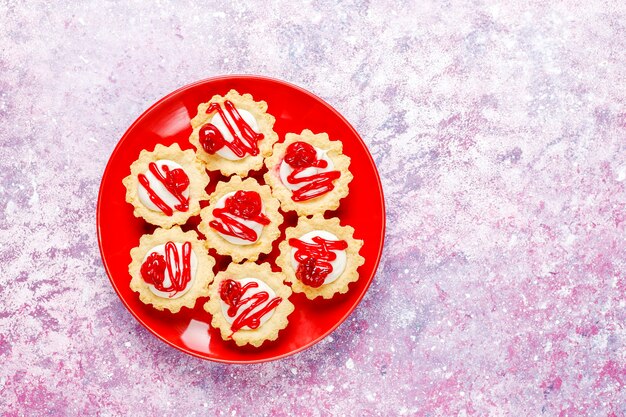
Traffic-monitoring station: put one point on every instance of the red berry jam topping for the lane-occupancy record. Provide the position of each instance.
(314, 259)
(312, 274)
(211, 138)
(177, 179)
(246, 205)
(230, 293)
(153, 269)
(300, 156)
(245, 140)
(179, 270)
(233, 294)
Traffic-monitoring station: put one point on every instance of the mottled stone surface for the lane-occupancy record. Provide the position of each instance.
(500, 135)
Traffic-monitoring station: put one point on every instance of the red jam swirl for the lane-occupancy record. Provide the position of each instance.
(245, 205)
(212, 140)
(314, 259)
(232, 293)
(301, 156)
(175, 182)
(153, 269)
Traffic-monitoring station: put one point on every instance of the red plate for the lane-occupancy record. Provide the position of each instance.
(167, 122)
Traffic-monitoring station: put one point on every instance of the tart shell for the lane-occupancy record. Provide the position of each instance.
(323, 203)
(203, 276)
(269, 234)
(198, 180)
(271, 328)
(353, 259)
(265, 122)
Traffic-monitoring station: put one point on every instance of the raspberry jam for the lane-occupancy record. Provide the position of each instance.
(314, 259)
(233, 294)
(153, 270)
(312, 274)
(179, 270)
(211, 139)
(246, 205)
(301, 156)
(175, 182)
(245, 140)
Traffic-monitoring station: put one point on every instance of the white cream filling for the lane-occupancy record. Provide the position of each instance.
(262, 286)
(167, 280)
(257, 227)
(218, 122)
(339, 264)
(158, 187)
(286, 170)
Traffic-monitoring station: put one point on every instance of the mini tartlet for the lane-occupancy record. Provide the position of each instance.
(170, 269)
(233, 133)
(308, 173)
(165, 186)
(319, 257)
(249, 303)
(242, 219)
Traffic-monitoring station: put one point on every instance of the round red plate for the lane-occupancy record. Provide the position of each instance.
(167, 122)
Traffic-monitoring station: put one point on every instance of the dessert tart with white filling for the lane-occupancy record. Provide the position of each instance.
(170, 269)
(165, 186)
(241, 220)
(319, 257)
(233, 133)
(308, 173)
(249, 303)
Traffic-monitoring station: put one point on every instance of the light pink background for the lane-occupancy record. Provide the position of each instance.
(500, 136)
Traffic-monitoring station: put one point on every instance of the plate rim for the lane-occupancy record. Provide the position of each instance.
(192, 85)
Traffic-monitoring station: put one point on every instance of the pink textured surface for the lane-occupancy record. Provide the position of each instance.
(500, 135)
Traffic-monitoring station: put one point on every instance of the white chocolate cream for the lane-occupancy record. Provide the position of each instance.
(257, 227)
(218, 122)
(285, 170)
(262, 286)
(158, 187)
(167, 281)
(338, 265)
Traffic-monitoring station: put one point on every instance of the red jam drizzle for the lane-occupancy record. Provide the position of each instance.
(245, 205)
(232, 293)
(212, 140)
(153, 269)
(300, 156)
(314, 259)
(175, 182)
